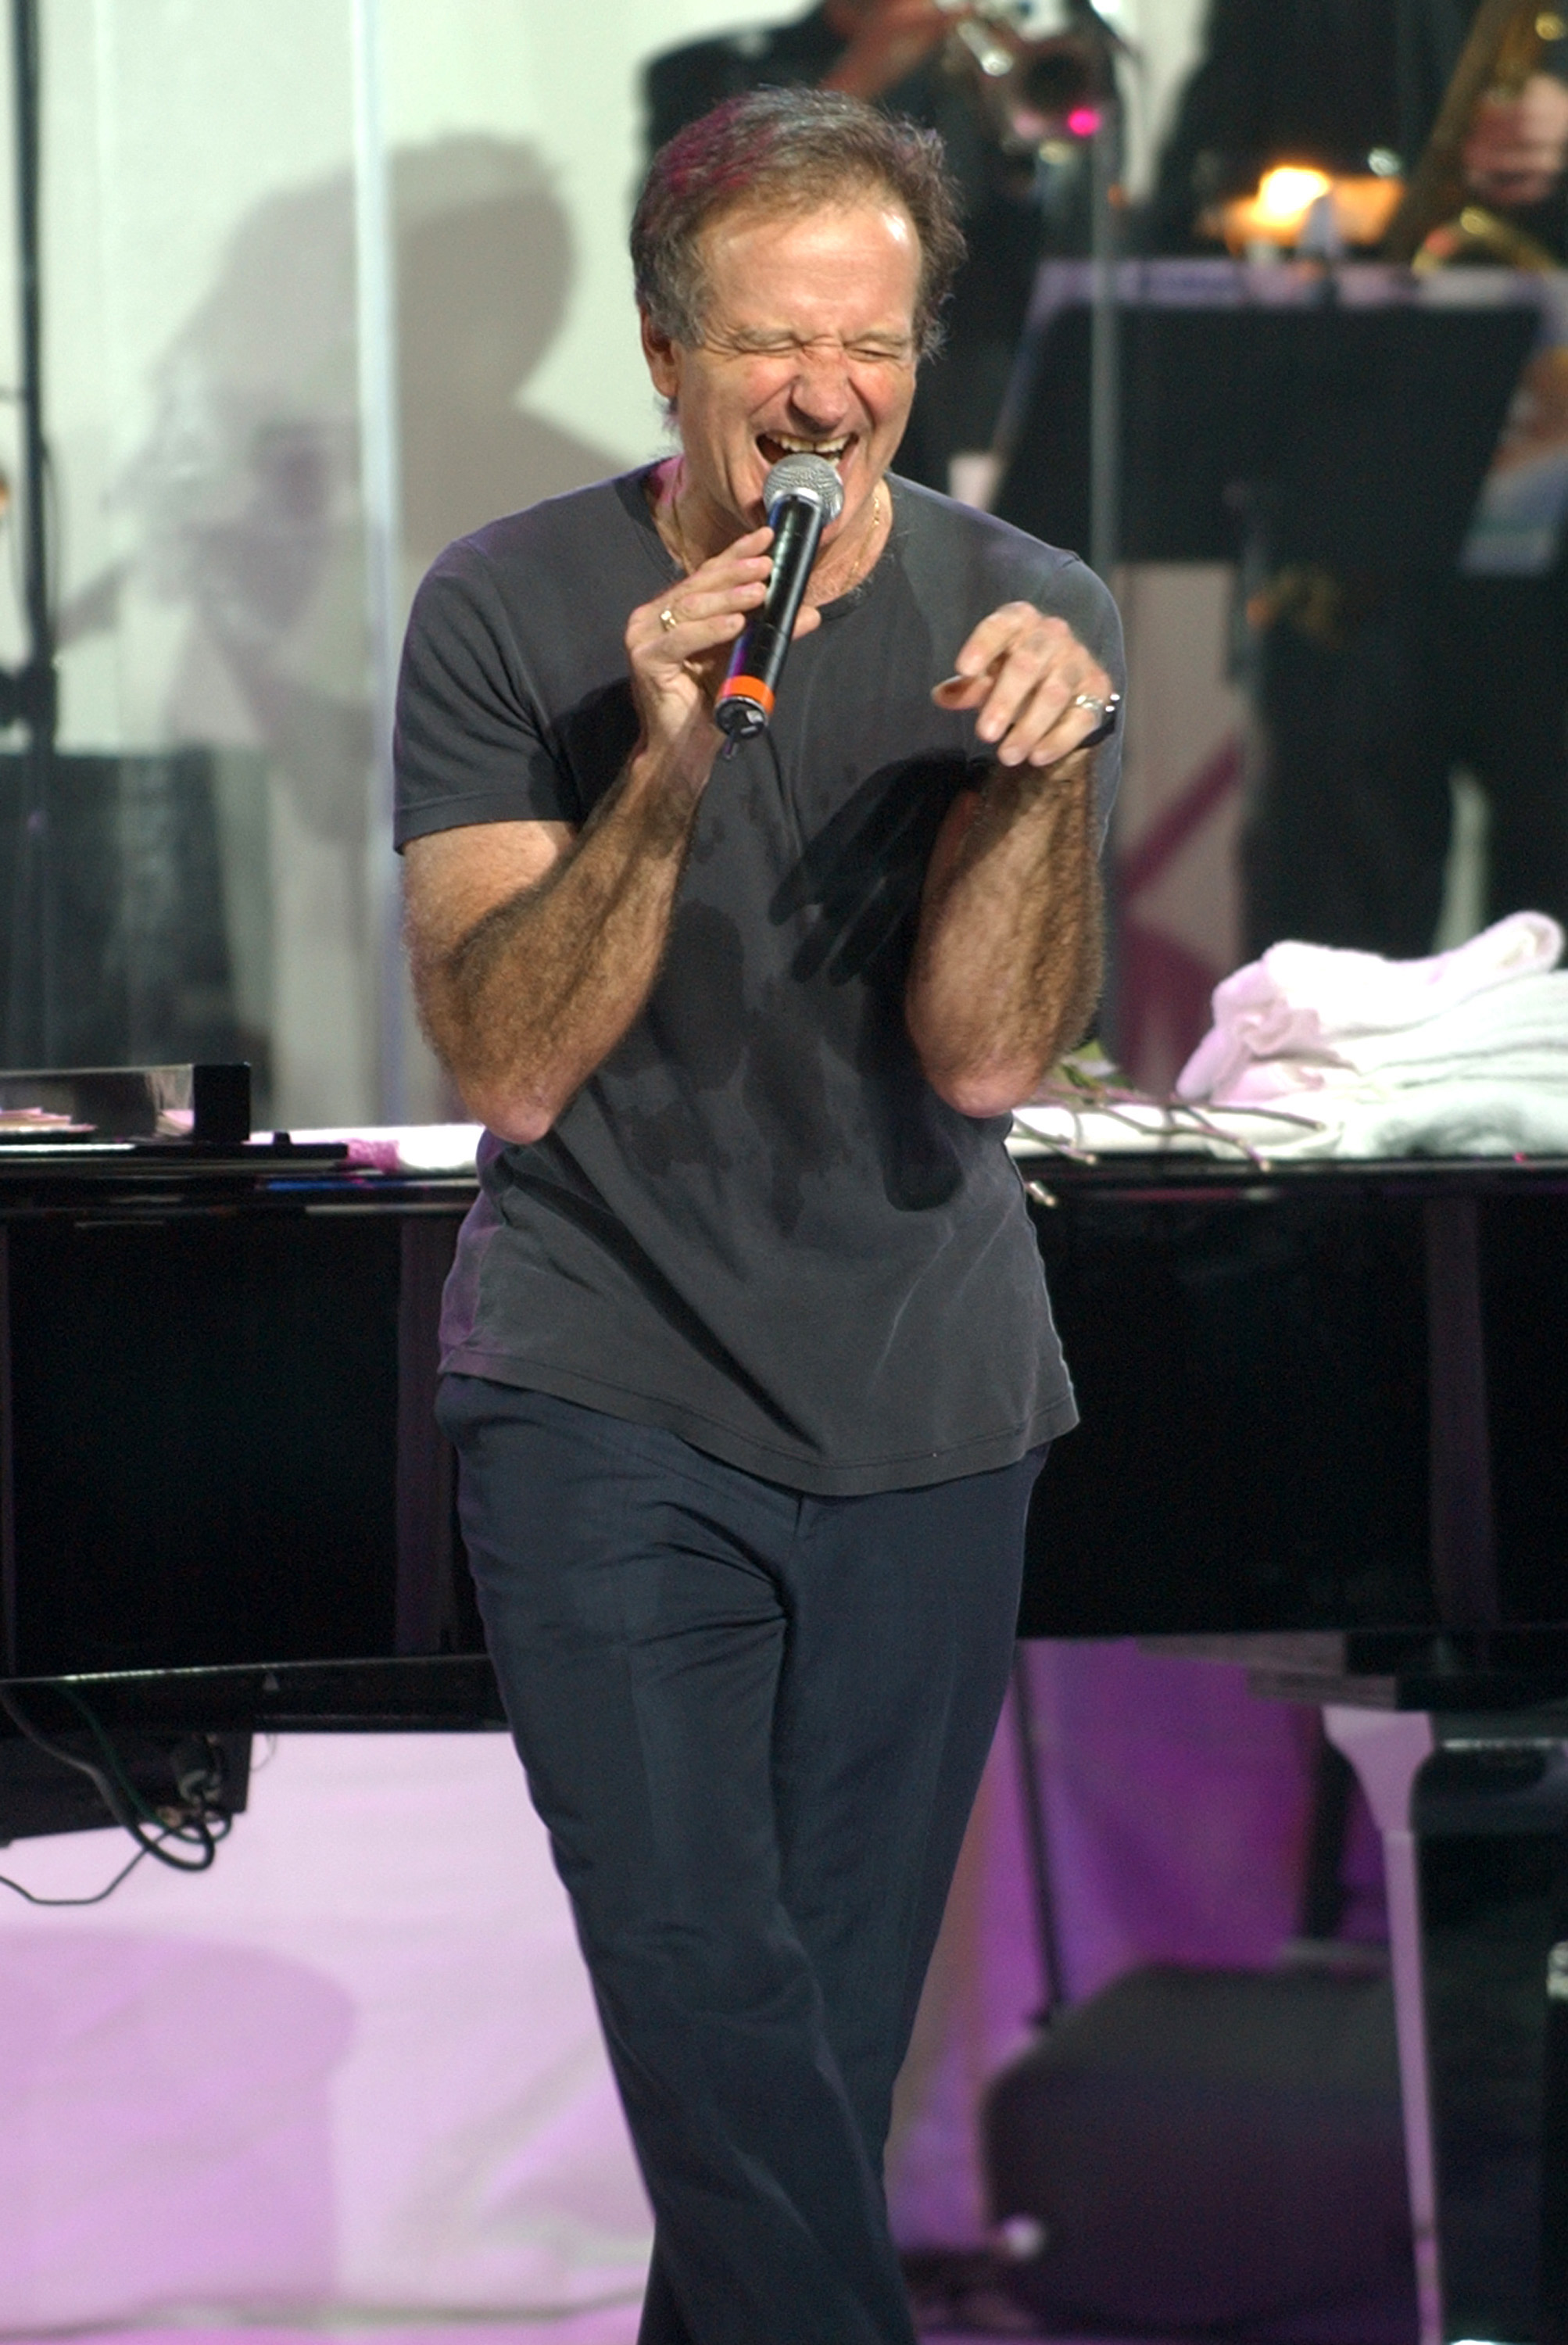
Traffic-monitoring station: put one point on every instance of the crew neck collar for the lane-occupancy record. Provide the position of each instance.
(634, 496)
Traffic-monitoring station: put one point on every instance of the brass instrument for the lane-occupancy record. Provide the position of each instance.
(1437, 221)
(1033, 86)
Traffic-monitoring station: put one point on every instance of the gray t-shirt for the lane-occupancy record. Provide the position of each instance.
(756, 1224)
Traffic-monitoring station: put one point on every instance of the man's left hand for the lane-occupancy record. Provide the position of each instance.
(1517, 146)
(1028, 676)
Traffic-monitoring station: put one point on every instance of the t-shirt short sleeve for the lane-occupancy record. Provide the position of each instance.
(471, 745)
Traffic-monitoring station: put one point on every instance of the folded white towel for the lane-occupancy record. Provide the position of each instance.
(1467, 1116)
(1518, 1033)
(1312, 1005)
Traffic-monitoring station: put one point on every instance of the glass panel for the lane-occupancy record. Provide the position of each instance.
(213, 783)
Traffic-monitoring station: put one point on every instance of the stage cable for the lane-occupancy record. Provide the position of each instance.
(199, 1825)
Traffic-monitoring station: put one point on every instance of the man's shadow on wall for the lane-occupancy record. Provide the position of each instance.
(245, 494)
(242, 511)
(484, 271)
(166, 2125)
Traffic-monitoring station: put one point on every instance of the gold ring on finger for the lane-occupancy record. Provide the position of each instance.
(667, 619)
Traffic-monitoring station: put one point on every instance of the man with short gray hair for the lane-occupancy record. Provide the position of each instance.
(747, 1357)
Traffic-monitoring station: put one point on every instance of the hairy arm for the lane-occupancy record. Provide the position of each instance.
(533, 947)
(1007, 961)
(532, 950)
(1007, 958)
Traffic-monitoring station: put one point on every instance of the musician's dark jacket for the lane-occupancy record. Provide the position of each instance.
(1315, 81)
(685, 83)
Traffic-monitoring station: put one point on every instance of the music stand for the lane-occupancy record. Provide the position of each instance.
(1353, 437)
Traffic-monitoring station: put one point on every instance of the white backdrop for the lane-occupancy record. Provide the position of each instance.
(356, 2064)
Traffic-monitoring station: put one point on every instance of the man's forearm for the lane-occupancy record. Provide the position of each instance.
(1006, 966)
(533, 951)
(526, 1004)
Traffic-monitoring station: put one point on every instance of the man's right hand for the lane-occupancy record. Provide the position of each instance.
(677, 663)
(887, 40)
(679, 648)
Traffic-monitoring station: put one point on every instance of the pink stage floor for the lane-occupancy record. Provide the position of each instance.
(609, 2325)
(617, 2327)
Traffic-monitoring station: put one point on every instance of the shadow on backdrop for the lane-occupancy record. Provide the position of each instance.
(484, 269)
(244, 512)
(131, 2059)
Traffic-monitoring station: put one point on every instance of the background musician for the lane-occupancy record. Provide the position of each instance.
(1371, 690)
(1352, 86)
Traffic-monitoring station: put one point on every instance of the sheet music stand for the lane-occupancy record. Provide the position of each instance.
(1357, 437)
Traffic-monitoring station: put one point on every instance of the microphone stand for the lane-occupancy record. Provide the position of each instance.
(1105, 167)
(1105, 243)
(29, 695)
(1105, 344)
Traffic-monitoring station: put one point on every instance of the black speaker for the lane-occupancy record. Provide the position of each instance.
(1196, 2149)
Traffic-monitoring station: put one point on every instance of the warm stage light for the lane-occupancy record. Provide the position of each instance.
(1276, 214)
(1287, 194)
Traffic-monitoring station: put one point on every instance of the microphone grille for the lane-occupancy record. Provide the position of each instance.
(805, 476)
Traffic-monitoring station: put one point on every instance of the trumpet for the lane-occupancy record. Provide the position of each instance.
(1038, 69)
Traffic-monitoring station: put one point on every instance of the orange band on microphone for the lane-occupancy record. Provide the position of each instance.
(747, 687)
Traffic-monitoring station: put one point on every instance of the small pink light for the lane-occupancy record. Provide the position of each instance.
(1083, 122)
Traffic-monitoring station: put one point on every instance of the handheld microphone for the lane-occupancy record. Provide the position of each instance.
(802, 494)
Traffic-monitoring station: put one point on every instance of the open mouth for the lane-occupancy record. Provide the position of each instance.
(775, 445)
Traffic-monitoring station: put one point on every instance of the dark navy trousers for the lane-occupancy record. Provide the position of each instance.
(754, 1722)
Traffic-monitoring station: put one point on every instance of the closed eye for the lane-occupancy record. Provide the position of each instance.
(896, 352)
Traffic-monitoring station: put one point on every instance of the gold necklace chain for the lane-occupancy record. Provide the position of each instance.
(862, 560)
(688, 565)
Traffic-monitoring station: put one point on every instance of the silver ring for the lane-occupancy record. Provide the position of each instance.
(1102, 708)
(667, 619)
